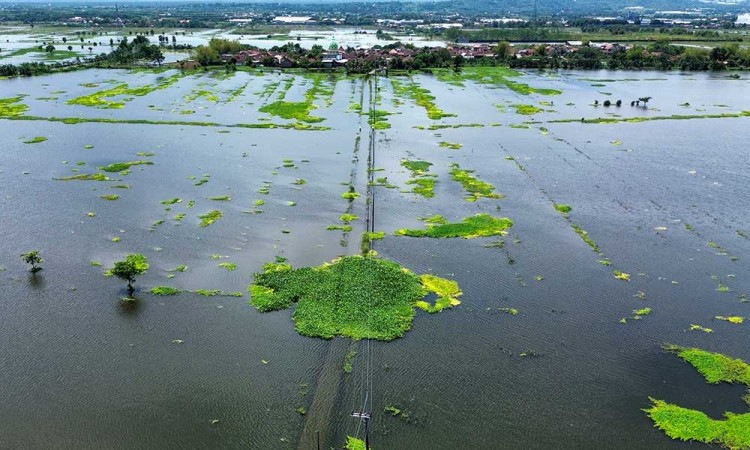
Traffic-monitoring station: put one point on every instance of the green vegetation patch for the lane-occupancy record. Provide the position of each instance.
(471, 227)
(171, 201)
(111, 197)
(417, 167)
(424, 183)
(35, 140)
(121, 166)
(474, 187)
(12, 106)
(502, 76)
(353, 443)
(585, 236)
(221, 198)
(421, 97)
(450, 145)
(526, 110)
(98, 99)
(355, 296)
(563, 209)
(86, 177)
(291, 110)
(692, 425)
(447, 292)
(164, 290)
(210, 217)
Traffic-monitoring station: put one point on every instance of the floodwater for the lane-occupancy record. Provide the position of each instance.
(82, 369)
(13, 39)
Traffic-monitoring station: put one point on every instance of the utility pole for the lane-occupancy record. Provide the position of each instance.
(366, 416)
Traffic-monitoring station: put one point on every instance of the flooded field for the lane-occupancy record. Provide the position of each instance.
(584, 237)
(21, 44)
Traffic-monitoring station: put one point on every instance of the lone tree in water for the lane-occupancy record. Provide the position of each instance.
(33, 258)
(134, 264)
(644, 100)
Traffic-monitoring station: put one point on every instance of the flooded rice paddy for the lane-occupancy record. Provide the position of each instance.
(212, 175)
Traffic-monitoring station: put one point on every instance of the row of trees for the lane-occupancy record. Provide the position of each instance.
(128, 269)
(659, 55)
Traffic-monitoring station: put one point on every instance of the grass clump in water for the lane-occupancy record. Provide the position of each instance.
(110, 197)
(471, 227)
(446, 290)
(35, 140)
(421, 97)
(450, 145)
(424, 183)
(731, 319)
(12, 106)
(473, 186)
(210, 217)
(527, 110)
(122, 166)
(355, 296)
(86, 177)
(229, 266)
(164, 290)
(585, 236)
(693, 425)
(620, 275)
(222, 198)
(563, 209)
(171, 201)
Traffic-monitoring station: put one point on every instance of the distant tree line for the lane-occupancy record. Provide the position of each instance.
(660, 56)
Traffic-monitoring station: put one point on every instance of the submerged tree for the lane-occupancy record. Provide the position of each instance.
(134, 264)
(33, 258)
(644, 100)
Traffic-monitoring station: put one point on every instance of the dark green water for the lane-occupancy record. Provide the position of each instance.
(82, 371)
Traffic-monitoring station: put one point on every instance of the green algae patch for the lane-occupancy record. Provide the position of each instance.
(563, 209)
(692, 425)
(164, 290)
(12, 107)
(99, 99)
(85, 177)
(122, 166)
(417, 167)
(715, 367)
(731, 319)
(291, 110)
(450, 145)
(35, 140)
(111, 197)
(447, 292)
(421, 97)
(585, 236)
(356, 296)
(423, 182)
(228, 266)
(353, 443)
(171, 201)
(423, 186)
(620, 275)
(502, 76)
(526, 110)
(222, 198)
(348, 218)
(378, 119)
(476, 226)
(344, 228)
(474, 187)
(210, 217)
